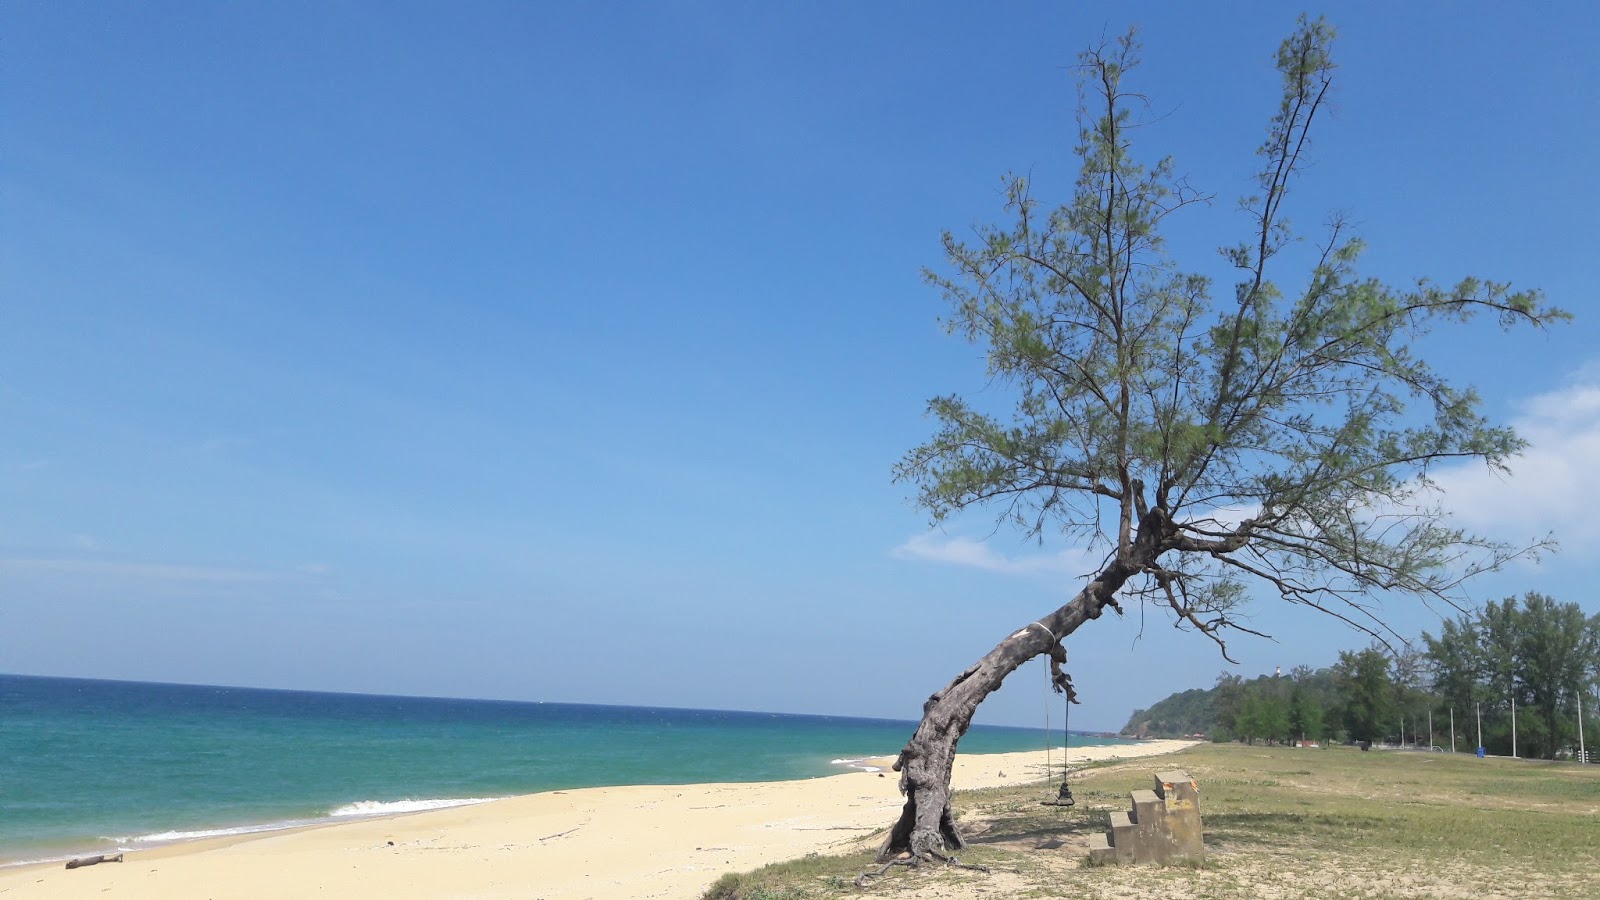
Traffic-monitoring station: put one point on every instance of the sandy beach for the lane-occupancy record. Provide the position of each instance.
(618, 842)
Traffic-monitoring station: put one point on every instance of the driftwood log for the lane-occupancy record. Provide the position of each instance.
(92, 861)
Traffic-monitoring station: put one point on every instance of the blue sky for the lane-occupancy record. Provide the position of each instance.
(562, 351)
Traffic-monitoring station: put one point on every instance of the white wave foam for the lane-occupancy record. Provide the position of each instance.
(389, 807)
(162, 837)
(351, 810)
(14, 863)
(858, 763)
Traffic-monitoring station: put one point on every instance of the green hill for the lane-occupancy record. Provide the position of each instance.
(1197, 710)
(1190, 712)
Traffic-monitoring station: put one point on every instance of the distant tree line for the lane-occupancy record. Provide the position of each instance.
(1271, 708)
(1539, 654)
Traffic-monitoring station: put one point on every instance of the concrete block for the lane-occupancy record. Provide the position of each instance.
(1176, 787)
(1162, 826)
(1148, 810)
(1100, 850)
(1124, 836)
(1150, 834)
(1181, 795)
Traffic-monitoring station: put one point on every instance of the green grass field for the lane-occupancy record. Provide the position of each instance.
(1279, 823)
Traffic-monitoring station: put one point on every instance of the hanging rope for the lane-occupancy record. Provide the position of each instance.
(1060, 682)
(1064, 796)
(1047, 770)
(1066, 735)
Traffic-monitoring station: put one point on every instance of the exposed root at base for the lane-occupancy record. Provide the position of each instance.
(914, 862)
(865, 877)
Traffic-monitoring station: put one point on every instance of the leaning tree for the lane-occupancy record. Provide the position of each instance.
(1280, 435)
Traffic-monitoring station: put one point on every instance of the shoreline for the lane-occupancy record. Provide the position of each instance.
(160, 839)
(112, 838)
(622, 842)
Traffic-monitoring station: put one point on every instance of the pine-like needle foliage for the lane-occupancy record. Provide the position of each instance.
(1281, 433)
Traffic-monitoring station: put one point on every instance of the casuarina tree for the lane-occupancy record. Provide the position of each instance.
(1277, 431)
(1367, 695)
(1544, 654)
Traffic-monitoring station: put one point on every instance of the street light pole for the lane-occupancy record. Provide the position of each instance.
(1479, 708)
(1513, 722)
(1582, 756)
(1452, 729)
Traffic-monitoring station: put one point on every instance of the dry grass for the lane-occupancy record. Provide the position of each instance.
(1279, 823)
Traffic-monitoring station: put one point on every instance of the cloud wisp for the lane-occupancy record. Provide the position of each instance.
(975, 554)
(167, 572)
(1551, 483)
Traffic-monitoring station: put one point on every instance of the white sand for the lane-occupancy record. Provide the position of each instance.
(620, 842)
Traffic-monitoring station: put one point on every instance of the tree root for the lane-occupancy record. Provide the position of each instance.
(865, 877)
(915, 862)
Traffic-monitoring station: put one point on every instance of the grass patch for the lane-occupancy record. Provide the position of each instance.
(1279, 822)
(811, 876)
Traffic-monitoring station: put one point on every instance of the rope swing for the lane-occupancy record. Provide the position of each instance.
(1061, 683)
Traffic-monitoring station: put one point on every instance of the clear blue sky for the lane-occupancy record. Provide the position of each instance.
(562, 351)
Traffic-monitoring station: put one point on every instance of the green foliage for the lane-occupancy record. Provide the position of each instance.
(1229, 698)
(1188, 712)
(1275, 432)
(1548, 650)
(1542, 653)
(1261, 709)
(1264, 716)
(1305, 715)
(1367, 693)
(1248, 723)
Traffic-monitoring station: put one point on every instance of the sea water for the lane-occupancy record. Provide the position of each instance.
(91, 766)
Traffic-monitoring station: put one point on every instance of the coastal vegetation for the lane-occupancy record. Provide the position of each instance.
(1273, 435)
(1541, 655)
(1268, 707)
(1279, 821)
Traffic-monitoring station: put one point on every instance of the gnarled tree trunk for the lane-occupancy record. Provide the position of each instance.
(927, 829)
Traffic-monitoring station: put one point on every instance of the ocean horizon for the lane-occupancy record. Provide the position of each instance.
(94, 766)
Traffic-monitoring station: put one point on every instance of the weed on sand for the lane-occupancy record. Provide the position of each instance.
(1279, 823)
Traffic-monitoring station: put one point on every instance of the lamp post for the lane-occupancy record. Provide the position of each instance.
(1582, 756)
(1513, 721)
(1479, 708)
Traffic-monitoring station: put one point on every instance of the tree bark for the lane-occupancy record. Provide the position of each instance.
(926, 829)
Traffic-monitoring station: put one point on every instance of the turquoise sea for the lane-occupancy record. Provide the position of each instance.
(90, 766)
